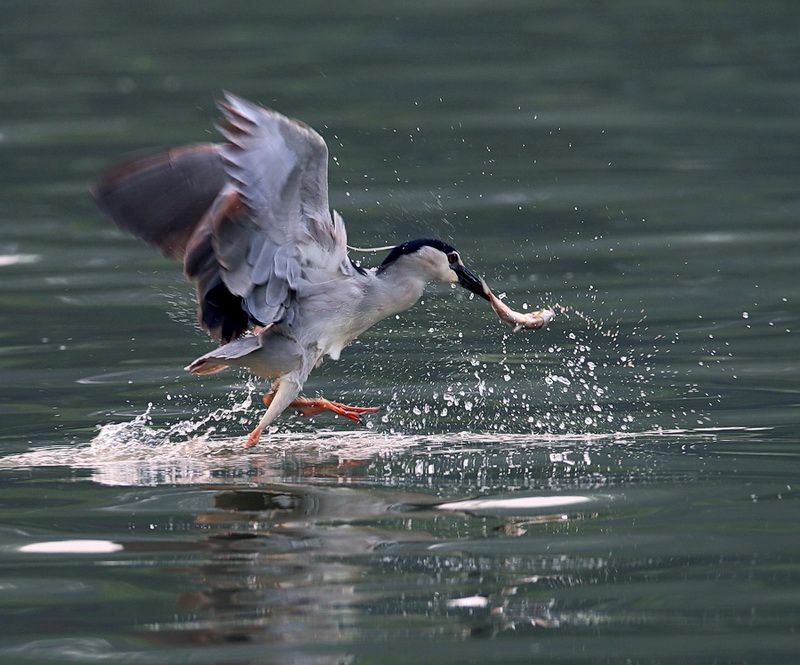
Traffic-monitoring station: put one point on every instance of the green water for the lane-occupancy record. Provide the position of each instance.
(616, 488)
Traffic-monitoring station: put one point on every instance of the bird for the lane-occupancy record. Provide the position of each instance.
(276, 288)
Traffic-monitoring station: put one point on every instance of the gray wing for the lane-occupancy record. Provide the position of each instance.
(277, 234)
(249, 218)
(161, 197)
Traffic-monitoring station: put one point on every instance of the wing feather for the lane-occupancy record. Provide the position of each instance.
(249, 218)
(160, 198)
(279, 167)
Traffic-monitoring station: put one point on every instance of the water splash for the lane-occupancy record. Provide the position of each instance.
(583, 375)
(136, 453)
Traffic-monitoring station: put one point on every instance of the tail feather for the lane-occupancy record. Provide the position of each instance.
(226, 355)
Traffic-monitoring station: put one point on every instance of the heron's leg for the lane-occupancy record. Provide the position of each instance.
(283, 391)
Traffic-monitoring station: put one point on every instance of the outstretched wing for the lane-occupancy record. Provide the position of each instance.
(161, 198)
(249, 218)
(282, 235)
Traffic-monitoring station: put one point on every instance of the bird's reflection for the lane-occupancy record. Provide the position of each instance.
(301, 566)
(283, 565)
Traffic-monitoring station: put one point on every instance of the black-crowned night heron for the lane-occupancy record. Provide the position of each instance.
(250, 220)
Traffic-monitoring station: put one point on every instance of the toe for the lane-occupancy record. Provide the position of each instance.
(352, 415)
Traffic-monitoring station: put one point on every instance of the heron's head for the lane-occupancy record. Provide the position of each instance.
(436, 261)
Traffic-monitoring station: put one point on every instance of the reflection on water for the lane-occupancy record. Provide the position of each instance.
(297, 564)
(287, 568)
(327, 546)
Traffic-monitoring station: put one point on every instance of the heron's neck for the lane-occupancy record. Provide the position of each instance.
(372, 296)
(394, 291)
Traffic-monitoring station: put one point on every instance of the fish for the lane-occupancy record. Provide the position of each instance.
(518, 320)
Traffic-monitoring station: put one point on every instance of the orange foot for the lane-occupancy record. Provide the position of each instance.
(254, 437)
(310, 407)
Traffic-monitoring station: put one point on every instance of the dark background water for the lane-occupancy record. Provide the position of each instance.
(633, 163)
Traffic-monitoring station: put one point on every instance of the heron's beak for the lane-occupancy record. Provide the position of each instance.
(469, 281)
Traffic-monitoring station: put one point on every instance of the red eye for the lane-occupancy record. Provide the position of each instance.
(453, 257)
